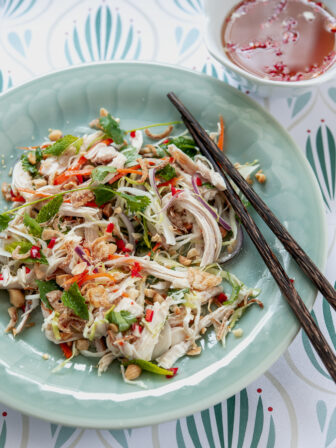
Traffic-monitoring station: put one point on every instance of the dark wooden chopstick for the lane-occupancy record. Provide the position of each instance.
(298, 254)
(286, 286)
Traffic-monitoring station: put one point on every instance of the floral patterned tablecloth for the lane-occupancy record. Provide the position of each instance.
(291, 405)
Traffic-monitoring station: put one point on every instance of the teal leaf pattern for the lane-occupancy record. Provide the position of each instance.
(238, 417)
(319, 157)
(331, 433)
(300, 102)
(63, 436)
(179, 435)
(104, 37)
(17, 8)
(258, 424)
(3, 435)
(210, 69)
(18, 43)
(332, 93)
(120, 436)
(53, 428)
(5, 83)
(207, 427)
(271, 435)
(321, 410)
(186, 40)
(189, 6)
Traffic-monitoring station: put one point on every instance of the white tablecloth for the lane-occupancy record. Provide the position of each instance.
(293, 404)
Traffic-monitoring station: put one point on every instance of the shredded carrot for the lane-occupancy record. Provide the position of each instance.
(93, 276)
(221, 135)
(36, 193)
(129, 170)
(114, 256)
(75, 278)
(66, 350)
(172, 182)
(64, 176)
(115, 178)
(155, 248)
(124, 294)
(107, 142)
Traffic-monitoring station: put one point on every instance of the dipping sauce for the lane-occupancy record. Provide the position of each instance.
(282, 40)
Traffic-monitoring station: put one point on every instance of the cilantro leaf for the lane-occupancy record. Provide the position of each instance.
(30, 167)
(103, 194)
(122, 318)
(49, 210)
(185, 144)
(150, 367)
(60, 146)
(5, 220)
(44, 288)
(72, 298)
(100, 172)
(167, 173)
(33, 226)
(25, 247)
(112, 129)
(135, 203)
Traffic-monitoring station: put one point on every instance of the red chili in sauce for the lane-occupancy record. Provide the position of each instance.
(282, 40)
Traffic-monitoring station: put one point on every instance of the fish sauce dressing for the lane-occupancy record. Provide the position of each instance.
(287, 40)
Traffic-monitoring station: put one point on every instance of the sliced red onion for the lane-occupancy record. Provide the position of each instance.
(151, 177)
(80, 252)
(129, 227)
(220, 220)
(239, 244)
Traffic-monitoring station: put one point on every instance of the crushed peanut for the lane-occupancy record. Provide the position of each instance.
(103, 112)
(55, 135)
(132, 372)
(238, 333)
(184, 260)
(261, 177)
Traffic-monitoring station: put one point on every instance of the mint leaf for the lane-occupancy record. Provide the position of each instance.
(4, 221)
(112, 129)
(25, 247)
(135, 203)
(185, 144)
(72, 298)
(150, 367)
(122, 318)
(30, 167)
(167, 173)
(49, 210)
(44, 288)
(60, 146)
(100, 172)
(33, 226)
(103, 194)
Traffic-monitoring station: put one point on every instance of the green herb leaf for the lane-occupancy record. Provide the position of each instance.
(150, 367)
(103, 194)
(44, 288)
(72, 298)
(49, 210)
(33, 226)
(185, 144)
(122, 318)
(135, 203)
(112, 129)
(5, 219)
(25, 247)
(100, 172)
(131, 154)
(60, 146)
(145, 234)
(30, 167)
(77, 144)
(167, 173)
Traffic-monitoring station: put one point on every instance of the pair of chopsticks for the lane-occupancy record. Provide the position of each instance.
(225, 168)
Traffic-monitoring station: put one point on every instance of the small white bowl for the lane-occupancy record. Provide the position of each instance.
(216, 11)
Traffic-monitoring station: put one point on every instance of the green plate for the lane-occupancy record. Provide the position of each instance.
(136, 92)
